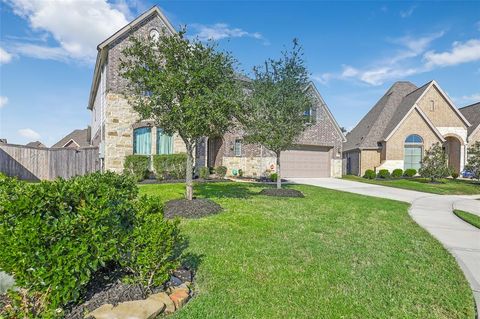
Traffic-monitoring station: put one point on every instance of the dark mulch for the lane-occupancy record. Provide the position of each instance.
(195, 208)
(281, 192)
(177, 181)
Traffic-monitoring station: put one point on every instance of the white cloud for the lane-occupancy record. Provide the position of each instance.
(220, 31)
(3, 101)
(77, 26)
(5, 57)
(461, 52)
(29, 133)
(468, 99)
(407, 13)
(323, 78)
(40, 51)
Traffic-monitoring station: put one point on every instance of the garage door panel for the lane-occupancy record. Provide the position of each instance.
(305, 163)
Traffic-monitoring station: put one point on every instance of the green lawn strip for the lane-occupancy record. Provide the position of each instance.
(445, 187)
(470, 218)
(329, 255)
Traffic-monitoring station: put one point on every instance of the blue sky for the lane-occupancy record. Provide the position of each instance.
(354, 51)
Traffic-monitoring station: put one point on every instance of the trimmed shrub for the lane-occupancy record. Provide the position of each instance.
(171, 166)
(137, 165)
(397, 173)
(240, 172)
(383, 173)
(154, 247)
(455, 175)
(221, 171)
(204, 172)
(273, 177)
(55, 235)
(369, 174)
(410, 172)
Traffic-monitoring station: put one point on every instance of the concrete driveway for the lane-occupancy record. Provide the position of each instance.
(432, 212)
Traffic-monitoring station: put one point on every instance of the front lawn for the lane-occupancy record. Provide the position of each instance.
(445, 187)
(328, 255)
(470, 218)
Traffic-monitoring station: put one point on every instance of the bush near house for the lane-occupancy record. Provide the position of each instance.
(56, 234)
(171, 166)
(410, 172)
(221, 171)
(273, 177)
(369, 174)
(383, 173)
(204, 172)
(397, 173)
(137, 165)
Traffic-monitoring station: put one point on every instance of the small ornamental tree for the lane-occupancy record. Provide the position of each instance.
(473, 163)
(186, 86)
(435, 163)
(278, 105)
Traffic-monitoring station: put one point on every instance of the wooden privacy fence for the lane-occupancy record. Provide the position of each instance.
(31, 163)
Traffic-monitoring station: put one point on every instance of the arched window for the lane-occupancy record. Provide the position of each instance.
(142, 141)
(164, 142)
(413, 151)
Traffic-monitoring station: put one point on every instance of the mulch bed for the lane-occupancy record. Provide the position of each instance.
(177, 181)
(281, 192)
(195, 208)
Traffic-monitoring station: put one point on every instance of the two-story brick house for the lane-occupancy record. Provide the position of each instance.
(119, 132)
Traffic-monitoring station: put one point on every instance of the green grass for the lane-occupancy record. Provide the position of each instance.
(470, 218)
(328, 255)
(445, 187)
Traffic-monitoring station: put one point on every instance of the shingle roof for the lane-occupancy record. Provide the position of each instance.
(37, 144)
(472, 114)
(383, 117)
(81, 137)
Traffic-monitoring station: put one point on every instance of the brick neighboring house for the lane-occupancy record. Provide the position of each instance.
(118, 131)
(472, 113)
(404, 123)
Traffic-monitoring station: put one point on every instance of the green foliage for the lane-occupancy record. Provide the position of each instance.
(204, 172)
(171, 166)
(398, 172)
(410, 172)
(274, 115)
(55, 235)
(455, 175)
(23, 303)
(240, 172)
(193, 88)
(383, 173)
(221, 171)
(473, 163)
(369, 174)
(273, 177)
(435, 163)
(154, 247)
(137, 165)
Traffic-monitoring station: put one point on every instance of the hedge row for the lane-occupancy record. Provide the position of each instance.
(385, 173)
(55, 235)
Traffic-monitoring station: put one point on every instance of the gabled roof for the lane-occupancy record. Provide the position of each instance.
(371, 128)
(390, 111)
(312, 86)
(103, 47)
(78, 137)
(472, 114)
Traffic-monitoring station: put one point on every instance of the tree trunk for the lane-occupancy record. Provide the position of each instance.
(279, 176)
(189, 169)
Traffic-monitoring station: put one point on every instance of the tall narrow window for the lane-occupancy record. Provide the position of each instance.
(432, 105)
(164, 142)
(413, 152)
(142, 141)
(237, 148)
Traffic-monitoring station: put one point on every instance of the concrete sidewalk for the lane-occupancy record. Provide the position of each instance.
(432, 212)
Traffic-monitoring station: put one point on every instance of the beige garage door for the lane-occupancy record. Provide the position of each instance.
(305, 162)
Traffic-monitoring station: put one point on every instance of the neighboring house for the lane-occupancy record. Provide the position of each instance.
(404, 123)
(472, 113)
(75, 139)
(118, 131)
(36, 144)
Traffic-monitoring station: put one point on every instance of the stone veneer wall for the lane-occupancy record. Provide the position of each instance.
(251, 166)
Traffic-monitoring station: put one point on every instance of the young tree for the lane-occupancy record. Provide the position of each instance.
(278, 105)
(473, 163)
(186, 86)
(435, 163)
